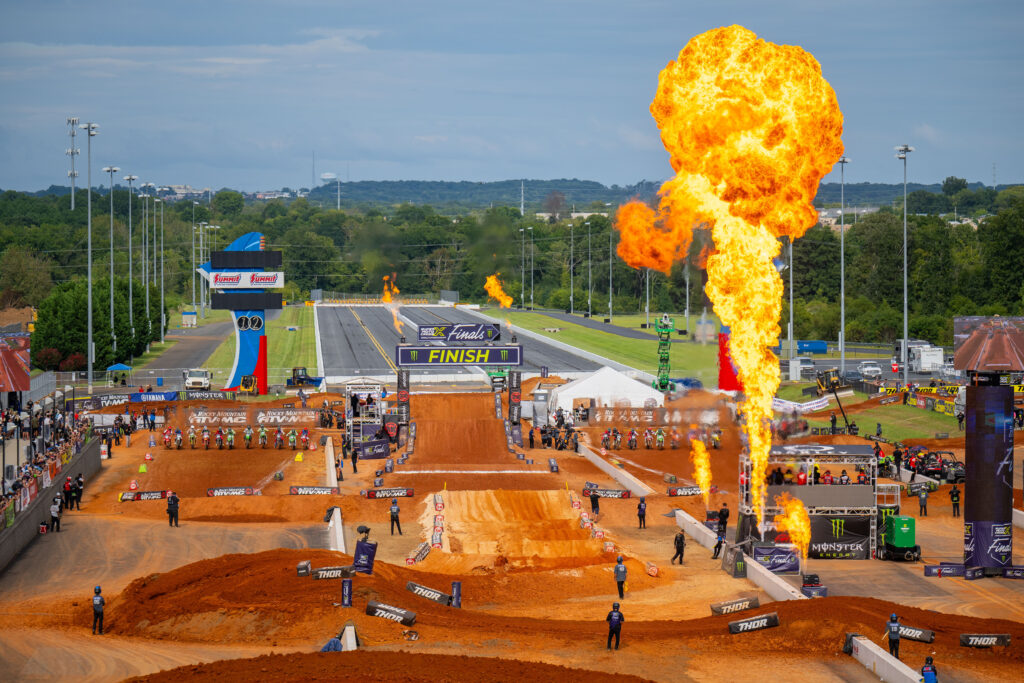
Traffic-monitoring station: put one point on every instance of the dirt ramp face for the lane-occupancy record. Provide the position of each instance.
(523, 527)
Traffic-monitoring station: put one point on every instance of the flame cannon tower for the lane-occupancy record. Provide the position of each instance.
(238, 278)
(664, 328)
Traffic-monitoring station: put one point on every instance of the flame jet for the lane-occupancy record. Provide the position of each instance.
(388, 297)
(751, 128)
(701, 468)
(495, 291)
(794, 521)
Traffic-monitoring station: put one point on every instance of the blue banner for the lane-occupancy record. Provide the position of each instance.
(365, 553)
(458, 355)
(778, 560)
(463, 332)
(377, 449)
(153, 396)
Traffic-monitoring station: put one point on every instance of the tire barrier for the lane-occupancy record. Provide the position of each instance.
(1013, 572)
(390, 612)
(379, 481)
(132, 496)
(457, 594)
(345, 572)
(761, 621)
(684, 490)
(388, 493)
(429, 593)
(608, 493)
(302, 568)
(552, 465)
(919, 634)
(389, 465)
(438, 502)
(983, 640)
(313, 490)
(422, 550)
(232, 491)
(346, 592)
(974, 573)
(738, 605)
(435, 541)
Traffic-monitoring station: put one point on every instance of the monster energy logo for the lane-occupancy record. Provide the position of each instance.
(504, 354)
(414, 353)
(838, 527)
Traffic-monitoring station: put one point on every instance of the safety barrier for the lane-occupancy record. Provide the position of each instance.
(1018, 518)
(336, 527)
(774, 586)
(635, 486)
(319, 348)
(880, 662)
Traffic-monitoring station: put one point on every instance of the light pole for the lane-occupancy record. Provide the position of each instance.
(901, 153)
(163, 261)
(194, 205)
(335, 177)
(113, 337)
(145, 259)
(572, 290)
(532, 266)
(153, 241)
(522, 276)
(590, 263)
(73, 152)
(842, 263)
(131, 198)
(611, 258)
(90, 130)
(202, 281)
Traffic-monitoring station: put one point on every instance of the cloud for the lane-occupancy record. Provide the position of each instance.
(929, 133)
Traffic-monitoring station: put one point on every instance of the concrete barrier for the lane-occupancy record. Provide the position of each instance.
(336, 532)
(635, 486)
(1018, 518)
(881, 663)
(774, 586)
(319, 349)
(332, 473)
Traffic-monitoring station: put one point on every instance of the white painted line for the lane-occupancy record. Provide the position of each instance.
(472, 472)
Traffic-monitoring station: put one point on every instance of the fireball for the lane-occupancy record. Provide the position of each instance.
(794, 521)
(495, 291)
(388, 297)
(750, 127)
(701, 468)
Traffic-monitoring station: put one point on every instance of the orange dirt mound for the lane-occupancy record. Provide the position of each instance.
(382, 666)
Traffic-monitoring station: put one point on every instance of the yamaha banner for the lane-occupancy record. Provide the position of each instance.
(459, 332)
(428, 356)
(840, 537)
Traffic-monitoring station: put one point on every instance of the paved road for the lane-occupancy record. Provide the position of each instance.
(193, 348)
(535, 353)
(596, 324)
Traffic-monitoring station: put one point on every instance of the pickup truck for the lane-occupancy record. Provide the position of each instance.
(197, 380)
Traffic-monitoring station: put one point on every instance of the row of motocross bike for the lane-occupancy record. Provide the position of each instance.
(226, 438)
(612, 438)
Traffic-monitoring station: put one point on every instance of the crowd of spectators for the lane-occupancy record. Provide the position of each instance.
(52, 436)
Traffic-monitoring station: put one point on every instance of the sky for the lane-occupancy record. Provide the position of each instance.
(243, 93)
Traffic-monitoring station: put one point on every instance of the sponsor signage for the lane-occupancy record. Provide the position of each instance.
(732, 606)
(390, 493)
(777, 559)
(102, 401)
(364, 556)
(497, 408)
(420, 356)
(267, 417)
(205, 395)
(332, 573)
(313, 490)
(988, 544)
(684, 490)
(459, 332)
(232, 491)
(840, 537)
(303, 568)
(150, 396)
(346, 592)
(757, 623)
(250, 280)
(984, 639)
(142, 495)
(390, 612)
(941, 570)
(374, 449)
(456, 594)
(607, 493)
(429, 593)
(1013, 572)
(919, 634)
(974, 573)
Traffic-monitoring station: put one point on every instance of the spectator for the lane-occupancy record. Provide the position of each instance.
(922, 501)
(55, 512)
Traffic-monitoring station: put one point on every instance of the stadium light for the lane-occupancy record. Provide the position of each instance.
(90, 352)
(131, 199)
(72, 152)
(842, 263)
(901, 153)
(113, 337)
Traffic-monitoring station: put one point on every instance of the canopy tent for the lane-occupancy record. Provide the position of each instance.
(607, 387)
(119, 367)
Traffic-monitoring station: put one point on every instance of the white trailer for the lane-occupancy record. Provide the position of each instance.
(926, 358)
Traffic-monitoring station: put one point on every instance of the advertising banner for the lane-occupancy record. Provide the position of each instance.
(459, 332)
(246, 280)
(988, 539)
(757, 623)
(778, 560)
(607, 493)
(379, 609)
(312, 490)
(390, 493)
(735, 605)
(515, 397)
(131, 496)
(232, 491)
(251, 415)
(840, 537)
(429, 593)
(206, 395)
(517, 434)
(364, 556)
(403, 396)
(149, 396)
(375, 449)
(728, 379)
(429, 356)
(684, 490)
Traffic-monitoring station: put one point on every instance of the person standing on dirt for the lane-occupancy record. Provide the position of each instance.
(55, 510)
(641, 514)
(892, 628)
(595, 502)
(929, 674)
(531, 436)
(723, 519)
(954, 498)
(79, 490)
(620, 576)
(718, 544)
(832, 419)
(172, 509)
(680, 544)
(897, 456)
(355, 458)
(614, 620)
(922, 502)
(97, 609)
(394, 517)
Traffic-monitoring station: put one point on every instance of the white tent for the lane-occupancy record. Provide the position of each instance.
(606, 387)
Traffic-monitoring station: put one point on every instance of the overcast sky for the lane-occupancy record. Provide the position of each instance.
(240, 93)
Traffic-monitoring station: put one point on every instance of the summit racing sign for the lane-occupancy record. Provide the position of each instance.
(247, 280)
(425, 356)
(465, 332)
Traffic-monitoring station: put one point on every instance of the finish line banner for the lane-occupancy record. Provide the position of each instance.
(426, 356)
(462, 332)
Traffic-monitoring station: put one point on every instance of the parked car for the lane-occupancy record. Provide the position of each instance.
(931, 464)
(870, 369)
(851, 376)
(806, 365)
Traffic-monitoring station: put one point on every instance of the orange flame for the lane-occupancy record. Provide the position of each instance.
(702, 257)
(701, 467)
(494, 290)
(794, 521)
(751, 128)
(388, 297)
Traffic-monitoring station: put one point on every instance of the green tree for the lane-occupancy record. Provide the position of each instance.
(228, 203)
(951, 185)
(24, 279)
(1001, 238)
